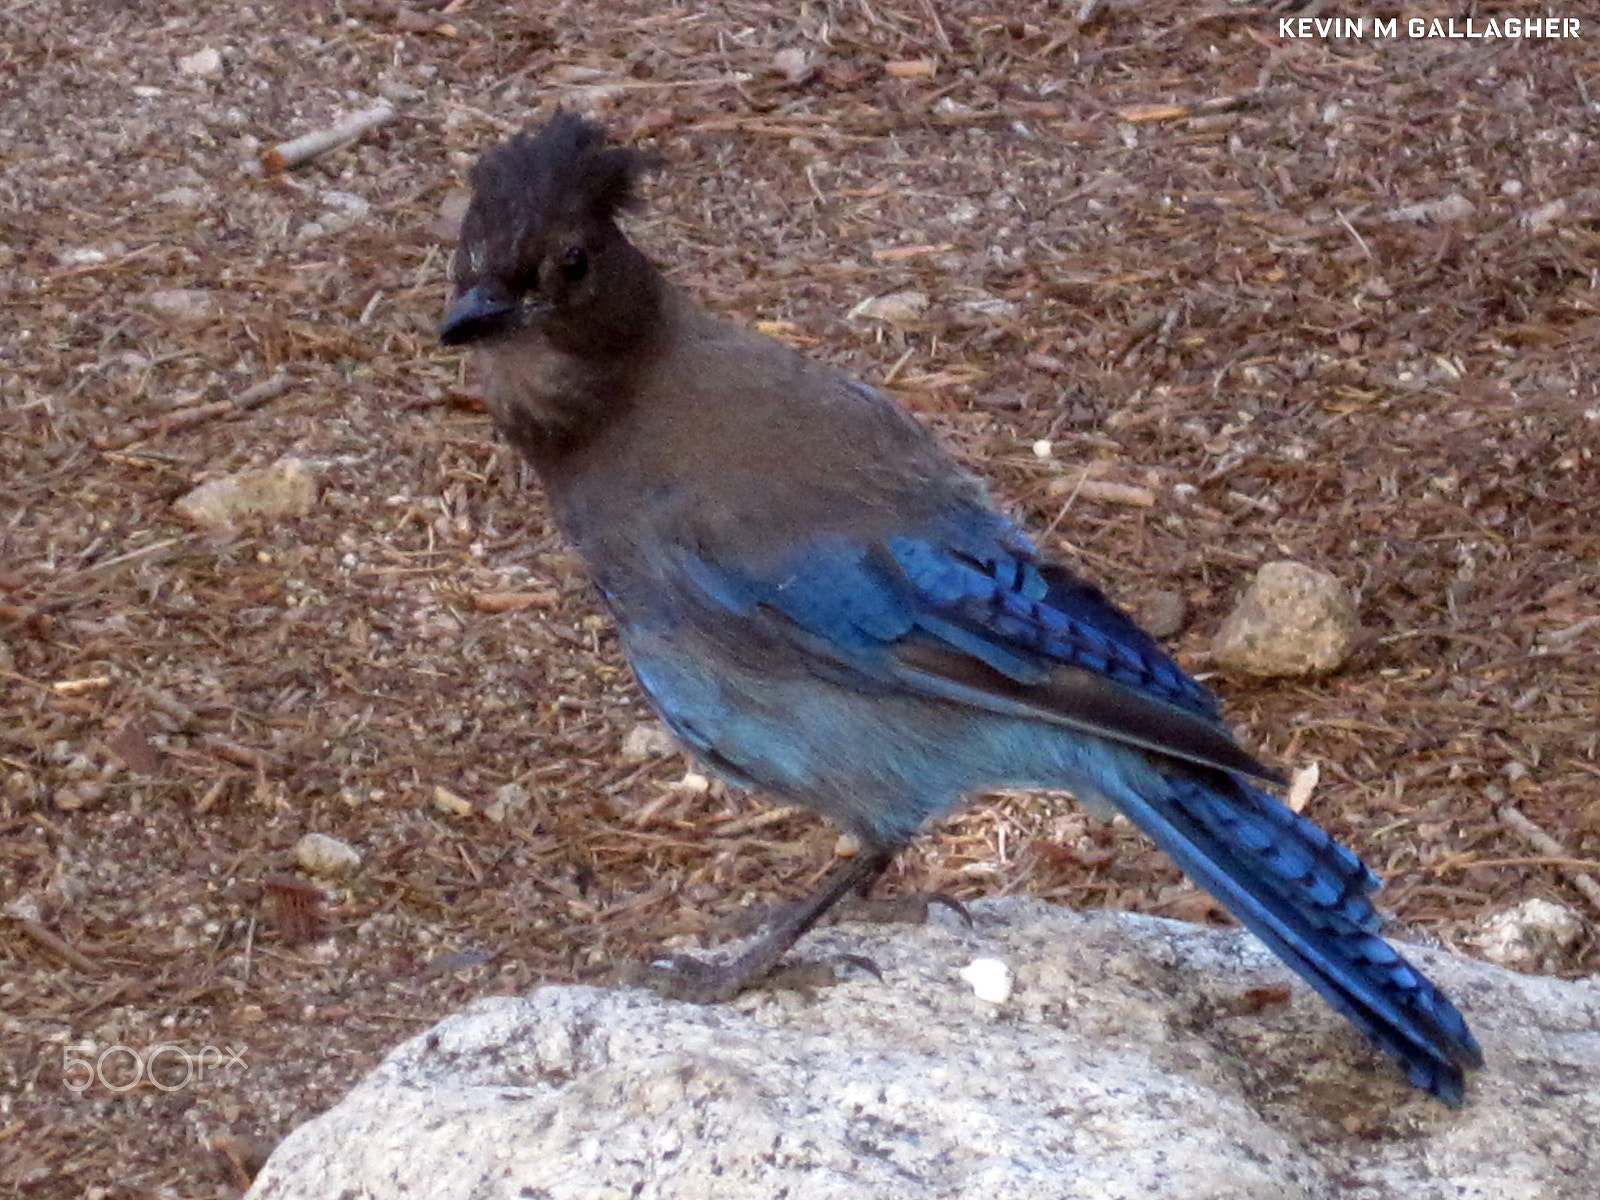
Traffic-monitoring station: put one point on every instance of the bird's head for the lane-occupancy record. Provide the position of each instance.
(540, 248)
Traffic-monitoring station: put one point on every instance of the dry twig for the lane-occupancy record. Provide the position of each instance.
(307, 146)
(57, 945)
(1546, 845)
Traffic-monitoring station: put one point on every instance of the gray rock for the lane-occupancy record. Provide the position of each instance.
(1134, 1059)
(1163, 614)
(1292, 620)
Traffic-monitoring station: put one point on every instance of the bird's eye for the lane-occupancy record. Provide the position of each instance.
(574, 263)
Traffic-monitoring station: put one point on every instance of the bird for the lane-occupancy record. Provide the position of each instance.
(820, 603)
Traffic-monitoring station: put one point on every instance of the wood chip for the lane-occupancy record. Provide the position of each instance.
(292, 153)
(503, 602)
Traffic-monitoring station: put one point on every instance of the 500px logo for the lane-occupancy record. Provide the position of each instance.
(164, 1066)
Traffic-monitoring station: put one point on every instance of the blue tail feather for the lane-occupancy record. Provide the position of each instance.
(1307, 898)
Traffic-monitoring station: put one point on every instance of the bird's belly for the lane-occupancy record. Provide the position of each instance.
(880, 763)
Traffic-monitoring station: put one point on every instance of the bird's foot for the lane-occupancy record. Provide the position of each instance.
(699, 981)
(897, 910)
(684, 977)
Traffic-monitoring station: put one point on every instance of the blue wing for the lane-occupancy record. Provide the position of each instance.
(968, 613)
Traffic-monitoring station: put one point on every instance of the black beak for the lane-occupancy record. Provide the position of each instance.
(476, 313)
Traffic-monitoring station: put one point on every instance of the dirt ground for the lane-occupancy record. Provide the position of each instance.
(1334, 300)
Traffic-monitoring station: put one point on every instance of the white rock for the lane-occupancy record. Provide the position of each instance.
(1292, 620)
(286, 488)
(182, 197)
(1546, 216)
(23, 907)
(1454, 207)
(1126, 1068)
(990, 310)
(82, 256)
(399, 91)
(326, 857)
(1530, 935)
(183, 304)
(645, 741)
(897, 308)
(510, 800)
(340, 211)
(793, 63)
(346, 202)
(990, 978)
(203, 64)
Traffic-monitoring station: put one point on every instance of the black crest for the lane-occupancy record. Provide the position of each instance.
(563, 173)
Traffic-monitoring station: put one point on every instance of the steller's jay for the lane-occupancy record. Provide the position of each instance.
(820, 603)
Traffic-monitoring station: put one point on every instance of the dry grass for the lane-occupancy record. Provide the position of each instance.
(1166, 242)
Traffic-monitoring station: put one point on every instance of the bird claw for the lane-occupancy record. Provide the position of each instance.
(898, 910)
(684, 977)
(696, 981)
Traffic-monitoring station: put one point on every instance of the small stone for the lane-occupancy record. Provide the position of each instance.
(400, 92)
(990, 310)
(1530, 936)
(897, 308)
(446, 225)
(1454, 207)
(1163, 614)
(182, 197)
(202, 64)
(510, 800)
(1546, 215)
(991, 980)
(183, 304)
(83, 256)
(1292, 620)
(286, 488)
(23, 907)
(78, 795)
(794, 64)
(646, 741)
(327, 857)
(341, 210)
(513, 796)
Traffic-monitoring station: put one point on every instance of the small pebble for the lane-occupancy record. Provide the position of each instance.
(646, 741)
(1530, 936)
(319, 854)
(990, 979)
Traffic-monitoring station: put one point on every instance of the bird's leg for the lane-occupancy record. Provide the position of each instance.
(682, 977)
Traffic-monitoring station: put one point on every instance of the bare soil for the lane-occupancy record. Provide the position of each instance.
(1334, 300)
